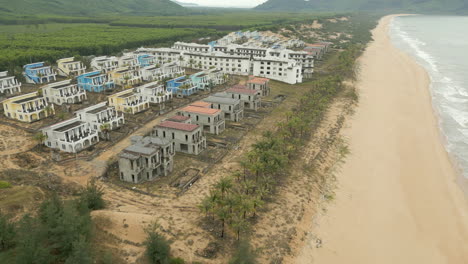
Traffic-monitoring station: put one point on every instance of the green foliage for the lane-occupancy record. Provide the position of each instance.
(91, 196)
(30, 248)
(389, 6)
(81, 253)
(157, 247)
(243, 254)
(7, 233)
(90, 7)
(176, 261)
(4, 185)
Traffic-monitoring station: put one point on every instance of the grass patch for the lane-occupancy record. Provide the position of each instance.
(4, 185)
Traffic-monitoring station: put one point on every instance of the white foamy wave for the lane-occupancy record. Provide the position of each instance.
(461, 117)
(454, 99)
(415, 44)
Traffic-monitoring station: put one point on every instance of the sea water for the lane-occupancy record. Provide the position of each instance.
(440, 45)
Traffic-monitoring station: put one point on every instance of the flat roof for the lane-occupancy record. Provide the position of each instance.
(61, 86)
(178, 126)
(68, 126)
(200, 110)
(97, 110)
(24, 100)
(258, 80)
(143, 150)
(221, 100)
(178, 118)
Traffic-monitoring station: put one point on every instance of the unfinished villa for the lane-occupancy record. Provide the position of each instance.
(146, 159)
(259, 84)
(63, 92)
(188, 138)
(232, 109)
(99, 115)
(70, 67)
(28, 107)
(105, 63)
(201, 113)
(154, 92)
(9, 84)
(249, 98)
(128, 101)
(71, 136)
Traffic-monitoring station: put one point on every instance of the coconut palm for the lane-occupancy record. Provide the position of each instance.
(105, 129)
(40, 138)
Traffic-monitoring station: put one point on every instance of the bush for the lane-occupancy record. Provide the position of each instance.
(177, 261)
(243, 254)
(7, 233)
(4, 185)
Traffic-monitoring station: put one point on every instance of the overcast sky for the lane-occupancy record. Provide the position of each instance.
(231, 3)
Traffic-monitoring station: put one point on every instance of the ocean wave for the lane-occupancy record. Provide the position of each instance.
(459, 116)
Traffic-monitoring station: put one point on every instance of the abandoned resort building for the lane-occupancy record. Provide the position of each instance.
(95, 82)
(127, 101)
(63, 92)
(39, 72)
(27, 107)
(146, 159)
(201, 113)
(138, 80)
(100, 114)
(69, 67)
(9, 84)
(71, 135)
(188, 138)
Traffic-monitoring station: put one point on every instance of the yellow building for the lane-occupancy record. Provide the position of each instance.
(129, 102)
(127, 76)
(28, 107)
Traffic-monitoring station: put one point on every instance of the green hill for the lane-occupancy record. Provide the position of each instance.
(414, 6)
(88, 7)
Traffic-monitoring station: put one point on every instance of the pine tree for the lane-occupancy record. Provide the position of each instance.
(81, 253)
(7, 233)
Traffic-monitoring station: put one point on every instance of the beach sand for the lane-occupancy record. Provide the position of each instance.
(397, 199)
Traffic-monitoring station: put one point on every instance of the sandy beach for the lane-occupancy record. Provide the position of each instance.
(397, 199)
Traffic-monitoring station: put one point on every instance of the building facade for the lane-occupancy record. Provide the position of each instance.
(70, 136)
(201, 113)
(100, 114)
(70, 67)
(28, 107)
(63, 92)
(95, 82)
(105, 63)
(261, 85)
(188, 138)
(154, 92)
(128, 101)
(9, 84)
(38, 73)
(232, 109)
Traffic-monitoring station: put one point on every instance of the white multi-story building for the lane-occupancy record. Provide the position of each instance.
(29, 107)
(100, 114)
(9, 84)
(128, 61)
(154, 92)
(192, 47)
(70, 67)
(105, 63)
(63, 92)
(285, 70)
(71, 136)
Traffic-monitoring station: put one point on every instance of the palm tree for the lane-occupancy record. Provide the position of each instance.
(223, 214)
(126, 78)
(224, 185)
(105, 129)
(48, 109)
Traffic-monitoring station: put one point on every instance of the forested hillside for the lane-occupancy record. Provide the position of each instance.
(88, 7)
(413, 6)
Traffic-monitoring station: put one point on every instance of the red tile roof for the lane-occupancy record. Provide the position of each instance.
(241, 91)
(178, 126)
(201, 104)
(239, 86)
(258, 80)
(179, 118)
(200, 110)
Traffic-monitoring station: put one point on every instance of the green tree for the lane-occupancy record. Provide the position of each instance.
(81, 253)
(30, 247)
(157, 247)
(7, 233)
(243, 254)
(40, 138)
(105, 129)
(91, 196)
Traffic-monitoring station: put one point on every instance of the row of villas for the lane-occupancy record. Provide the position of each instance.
(148, 158)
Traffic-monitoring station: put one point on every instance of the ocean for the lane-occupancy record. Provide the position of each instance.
(440, 45)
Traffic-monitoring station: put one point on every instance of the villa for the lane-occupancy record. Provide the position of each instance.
(38, 73)
(104, 63)
(232, 109)
(63, 92)
(95, 82)
(128, 102)
(172, 70)
(201, 113)
(152, 73)
(9, 84)
(146, 159)
(202, 81)
(154, 92)
(145, 60)
(188, 138)
(100, 114)
(127, 76)
(70, 67)
(70, 136)
(259, 84)
(248, 97)
(128, 61)
(181, 86)
(27, 107)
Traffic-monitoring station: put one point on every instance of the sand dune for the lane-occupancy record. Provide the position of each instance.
(398, 201)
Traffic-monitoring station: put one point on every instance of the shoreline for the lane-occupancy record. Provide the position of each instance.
(400, 197)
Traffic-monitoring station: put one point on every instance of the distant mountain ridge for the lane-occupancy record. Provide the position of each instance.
(88, 7)
(184, 4)
(413, 6)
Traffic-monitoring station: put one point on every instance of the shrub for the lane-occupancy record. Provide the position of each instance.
(177, 261)
(157, 247)
(4, 185)
(91, 196)
(7, 233)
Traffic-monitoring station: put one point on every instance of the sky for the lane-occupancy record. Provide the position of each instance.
(226, 3)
